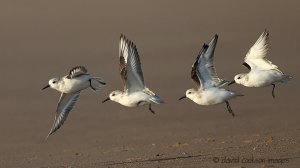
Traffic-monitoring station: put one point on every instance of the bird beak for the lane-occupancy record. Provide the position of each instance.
(45, 87)
(182, 97)
(106, 100)
(232, 82)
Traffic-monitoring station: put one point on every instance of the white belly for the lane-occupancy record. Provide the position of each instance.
(263, 78)
(75, 85)
(135, 99)
(213, 96)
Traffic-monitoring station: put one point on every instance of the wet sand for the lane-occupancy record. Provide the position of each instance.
(40, 40)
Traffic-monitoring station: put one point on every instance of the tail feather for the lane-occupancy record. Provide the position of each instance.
(238, 94)
(286, 78)
(234, 94)
(97, 83)
(156, 99)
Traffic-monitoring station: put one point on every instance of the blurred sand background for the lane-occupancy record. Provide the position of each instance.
(44, 39)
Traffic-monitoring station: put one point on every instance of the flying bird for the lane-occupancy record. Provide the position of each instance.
(135, 92)
(70, 87)
(262, 72)
(208, 91)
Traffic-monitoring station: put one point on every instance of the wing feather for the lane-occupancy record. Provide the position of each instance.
(130, 66)
(65, 105)
(256, 56)
(77, 71)
(206, 70)
(194, 73)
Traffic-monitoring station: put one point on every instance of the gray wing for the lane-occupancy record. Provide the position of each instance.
(65, 105)
(130, 66)
(194, 73)
(77, 71)
(207, 71)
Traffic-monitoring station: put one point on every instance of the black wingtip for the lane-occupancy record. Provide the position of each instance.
(266, 33)
(79, 67)
(123, 37)
(205, 46)
(203, 50)
(216, 36)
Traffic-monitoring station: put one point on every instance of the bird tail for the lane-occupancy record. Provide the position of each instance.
(234, 94)
(97, 83)
(286, 78)
(238, 95)
(156, 99)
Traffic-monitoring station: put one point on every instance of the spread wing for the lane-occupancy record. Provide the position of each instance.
(208, 70)
(256, 56)
(195, 75)
(65, 105)
(77, 71)
(205, 69)
(130, 66)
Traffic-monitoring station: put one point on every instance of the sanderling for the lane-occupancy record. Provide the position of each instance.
(70, 87)
(135, 92)
(262, 71)
(209, 91)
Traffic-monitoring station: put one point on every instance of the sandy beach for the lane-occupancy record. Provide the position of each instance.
(40, 40)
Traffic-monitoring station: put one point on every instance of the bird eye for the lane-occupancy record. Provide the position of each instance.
(239, 77)
(189, 92)
(113, 94)
(53, 82)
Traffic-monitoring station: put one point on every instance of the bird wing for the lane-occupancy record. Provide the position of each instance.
(130, 66)
(256, 56)
(206, 71)
(65, 105)
(195, 75)
(77, 71)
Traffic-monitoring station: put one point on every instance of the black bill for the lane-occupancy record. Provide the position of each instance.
(182, 97)
(45, 87)
(106, 100)
(230, 83)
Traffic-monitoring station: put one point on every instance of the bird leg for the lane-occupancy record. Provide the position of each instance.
(229, 109)
(273, 91)
(152, 111)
